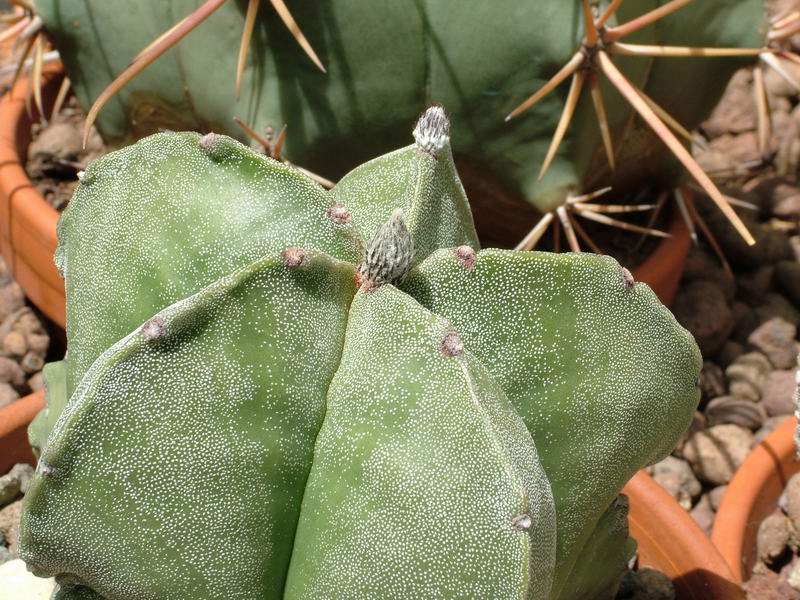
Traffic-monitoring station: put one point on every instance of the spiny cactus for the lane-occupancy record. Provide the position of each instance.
(275, 391)
(386, 61)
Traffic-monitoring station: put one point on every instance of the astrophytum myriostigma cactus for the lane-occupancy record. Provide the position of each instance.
(275, 391)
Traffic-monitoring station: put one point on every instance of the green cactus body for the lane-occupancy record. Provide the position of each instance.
(55, 383)
(386, 61)
(421, 464)
(605, 555)
(372, 408)
(561, 388)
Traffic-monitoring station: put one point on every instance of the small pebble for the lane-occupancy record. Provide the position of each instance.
(11, 372)
(32, 363)
(646, 584)
(17, 583)
(7, 394)
(717, 452)
(14, 344)
(773, 538)
(776, 339)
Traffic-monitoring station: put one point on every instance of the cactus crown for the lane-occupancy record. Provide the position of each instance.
(277, 391)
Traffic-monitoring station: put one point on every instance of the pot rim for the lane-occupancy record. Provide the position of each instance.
(671, 541)
(28, 236)
(14, 421)
(752, 495)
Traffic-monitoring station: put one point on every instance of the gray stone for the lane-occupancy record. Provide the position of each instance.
(746, 376)
(32, 363)
(9, 489)
(735, 112)
(715, 496)
(770, 425)
(794, 242)
(24, 473)
(729, 352)
(792, 499)
(768, 586)
(646, 584)
(717, 452)
(703, 514)
(676, 477)
(771, 246)
(712, 380)
(7, 394)
(746, 321)
(776, 339)
(788, 208)
(11, 300)
(787, 278)
(794, 576)
(777, 394)
(9, 523)
(36, 382)
(754, 286)
(11, 372)
(735, 411)
(775, 305)
(701, 307)
(773, 538)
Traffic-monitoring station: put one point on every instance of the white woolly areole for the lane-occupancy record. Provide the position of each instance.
(432, 132)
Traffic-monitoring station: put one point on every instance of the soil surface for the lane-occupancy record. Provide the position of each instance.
(25, 342)
(56, 154)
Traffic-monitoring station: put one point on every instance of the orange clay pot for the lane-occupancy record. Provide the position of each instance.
(27, 222)
(752, 495)
(14, 420)
(662, 270)
(671, 542)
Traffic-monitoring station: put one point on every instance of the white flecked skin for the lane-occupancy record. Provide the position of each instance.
(180, 211)
(420, 470)
(180, 467)
(601, 373)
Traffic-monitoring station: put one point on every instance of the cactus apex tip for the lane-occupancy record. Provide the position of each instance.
(466, 257)
(389, 254)
(294, 257)
(452, 345)
(432, 132)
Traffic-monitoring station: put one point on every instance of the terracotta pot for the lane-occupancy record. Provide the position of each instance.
(27, 222)
(671, 542)
(14, 420)
(662, 270)
(752, 495)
